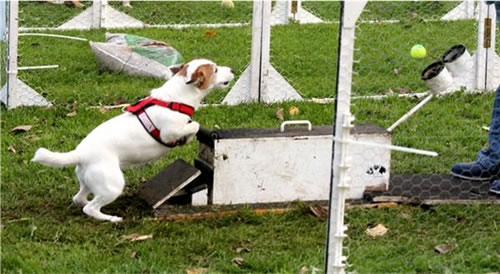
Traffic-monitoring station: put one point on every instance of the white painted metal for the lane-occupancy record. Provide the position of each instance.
(261, 81)
(246, 88)
(296, 122)
(282, 13)
(16, 93)
(303, 16)
(3, 20)
(487, 63)
(463, 11)
(284, 169)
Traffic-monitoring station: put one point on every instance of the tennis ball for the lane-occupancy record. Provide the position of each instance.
(418, 51)
(228, 4)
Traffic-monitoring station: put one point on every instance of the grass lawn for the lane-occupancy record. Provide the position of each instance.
(42, 232)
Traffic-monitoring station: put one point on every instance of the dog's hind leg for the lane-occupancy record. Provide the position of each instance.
(106, 182)
(80, 199)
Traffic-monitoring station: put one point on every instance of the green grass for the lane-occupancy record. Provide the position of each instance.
(43, 233)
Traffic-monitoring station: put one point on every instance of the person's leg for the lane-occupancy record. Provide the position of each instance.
(487, 165)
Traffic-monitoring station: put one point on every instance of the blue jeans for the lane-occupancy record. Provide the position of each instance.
(497, 6)
(490, 156)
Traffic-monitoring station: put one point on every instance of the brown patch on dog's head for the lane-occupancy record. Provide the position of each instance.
(202, 77)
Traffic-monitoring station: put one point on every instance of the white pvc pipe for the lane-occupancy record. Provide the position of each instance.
(390, 147)
(38, 67)
(52, 35)
(411, 112)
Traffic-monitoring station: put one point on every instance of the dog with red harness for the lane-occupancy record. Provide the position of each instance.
(145, 132)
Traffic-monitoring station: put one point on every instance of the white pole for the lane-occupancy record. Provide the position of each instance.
(340, 179)
(3, 19)
(12, 34)
(255, 58)
(265, 49)
(98, 20)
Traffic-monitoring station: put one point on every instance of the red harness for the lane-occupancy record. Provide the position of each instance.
(139, 109)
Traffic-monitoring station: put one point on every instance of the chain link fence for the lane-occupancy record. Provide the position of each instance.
(302, 50)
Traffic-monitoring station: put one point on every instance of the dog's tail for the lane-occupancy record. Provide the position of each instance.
(55, 159)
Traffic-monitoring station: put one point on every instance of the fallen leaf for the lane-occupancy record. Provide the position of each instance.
(23, 128)
(304, 270)
(133, 255)
(242, 249)
(444, 248)
(137, 237)
(319, 211)
(71, 114)
(210, 33)
(12, 149)
(280, 114)
(377, 231)
(199, 270)
(294, 111)
(397, 71)
(238, 260)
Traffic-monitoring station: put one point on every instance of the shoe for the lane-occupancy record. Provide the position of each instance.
(475, 171)
(495, 187)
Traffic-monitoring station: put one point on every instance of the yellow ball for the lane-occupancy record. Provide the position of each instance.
(228, 4)
(418, 51)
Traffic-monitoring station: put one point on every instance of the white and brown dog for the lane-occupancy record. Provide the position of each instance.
(144, 133)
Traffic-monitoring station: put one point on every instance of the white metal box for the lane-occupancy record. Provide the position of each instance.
(269, 166)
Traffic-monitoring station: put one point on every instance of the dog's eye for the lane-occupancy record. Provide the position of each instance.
(216, 69)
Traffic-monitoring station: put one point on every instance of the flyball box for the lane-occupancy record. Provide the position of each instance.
(272, 165)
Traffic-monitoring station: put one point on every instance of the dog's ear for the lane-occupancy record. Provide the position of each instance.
(174, 69)
(201, 77)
